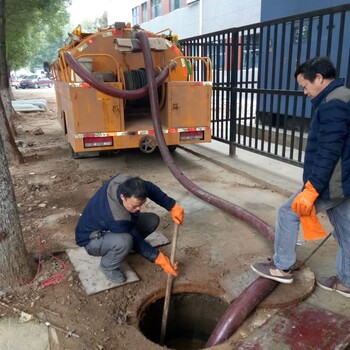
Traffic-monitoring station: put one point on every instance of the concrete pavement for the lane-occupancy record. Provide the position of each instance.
(281, 177)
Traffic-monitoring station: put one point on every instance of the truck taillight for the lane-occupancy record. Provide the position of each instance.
(98, 141)
(191, 135)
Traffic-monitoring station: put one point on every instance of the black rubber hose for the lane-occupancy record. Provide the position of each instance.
(258, 290)
(108, 90)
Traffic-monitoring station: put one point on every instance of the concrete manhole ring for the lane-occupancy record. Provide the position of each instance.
(291, 294)
(194, 311)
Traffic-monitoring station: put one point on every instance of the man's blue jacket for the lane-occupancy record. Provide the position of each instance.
(327, 153)
(105, 212)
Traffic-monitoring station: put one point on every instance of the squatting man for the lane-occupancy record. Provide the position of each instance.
(326, 179)
(112, 224)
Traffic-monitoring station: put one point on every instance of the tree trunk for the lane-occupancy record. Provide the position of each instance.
(16, 266)
(13, 154)
(7, 97)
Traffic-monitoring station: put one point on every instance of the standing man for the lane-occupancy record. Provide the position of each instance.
(326, 178)
(111, 224)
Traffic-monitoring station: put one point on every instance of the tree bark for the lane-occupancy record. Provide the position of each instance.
(16, 265)
(13, 154)
(7, 97)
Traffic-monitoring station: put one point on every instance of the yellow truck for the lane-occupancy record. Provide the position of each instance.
(95, 121)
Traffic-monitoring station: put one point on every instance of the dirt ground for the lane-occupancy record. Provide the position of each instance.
(52, 189)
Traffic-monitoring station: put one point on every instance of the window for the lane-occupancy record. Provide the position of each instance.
(144, 12)
(156, 8)
(135, 16)
(175, 4)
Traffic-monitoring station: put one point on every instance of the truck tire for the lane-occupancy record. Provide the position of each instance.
(81, 155)
(172, 148)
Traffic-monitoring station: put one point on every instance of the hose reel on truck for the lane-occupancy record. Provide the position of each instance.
(136, 79)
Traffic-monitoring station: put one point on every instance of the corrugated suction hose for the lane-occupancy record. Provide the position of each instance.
(258, 290)
(109, 90)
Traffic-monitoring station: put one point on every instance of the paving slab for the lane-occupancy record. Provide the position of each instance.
(90, 275)
(17, 335)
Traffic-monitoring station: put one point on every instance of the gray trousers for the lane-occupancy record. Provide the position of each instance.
(287, 228)
(114, 247)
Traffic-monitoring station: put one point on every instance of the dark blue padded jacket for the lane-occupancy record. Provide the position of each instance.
(105, 212)
(327, 153)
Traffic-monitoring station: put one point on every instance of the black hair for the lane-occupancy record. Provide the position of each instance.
(134, 187)
(317, 65)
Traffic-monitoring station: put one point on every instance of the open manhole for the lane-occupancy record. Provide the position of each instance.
(191, 319)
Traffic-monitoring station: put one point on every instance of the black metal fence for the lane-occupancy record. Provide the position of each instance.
(256, 103)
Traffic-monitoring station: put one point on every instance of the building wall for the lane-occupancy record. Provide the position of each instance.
(272, 9)
(204, 16)
(218, 15)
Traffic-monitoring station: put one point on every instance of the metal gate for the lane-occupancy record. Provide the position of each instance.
(256, 103)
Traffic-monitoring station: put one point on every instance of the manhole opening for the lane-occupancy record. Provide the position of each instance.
(192, 318)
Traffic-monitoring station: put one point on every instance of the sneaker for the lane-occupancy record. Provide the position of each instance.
(270, 271)
(333, 284)
(115, 275)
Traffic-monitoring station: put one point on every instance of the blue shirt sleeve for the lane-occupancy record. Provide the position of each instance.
(159, 197)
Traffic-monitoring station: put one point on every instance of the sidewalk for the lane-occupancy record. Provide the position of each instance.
(281, 177)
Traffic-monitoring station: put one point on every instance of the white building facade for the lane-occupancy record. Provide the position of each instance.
(188, 18)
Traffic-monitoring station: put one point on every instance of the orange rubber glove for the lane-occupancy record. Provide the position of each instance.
(312, 227)
(165, 264)
(304, 201)
(177, 214)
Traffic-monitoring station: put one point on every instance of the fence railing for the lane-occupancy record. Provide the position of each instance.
(256, 103)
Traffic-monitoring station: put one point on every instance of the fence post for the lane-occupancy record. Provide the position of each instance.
(233, 108)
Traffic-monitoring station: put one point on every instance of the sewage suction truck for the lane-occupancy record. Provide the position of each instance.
(95, 119)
